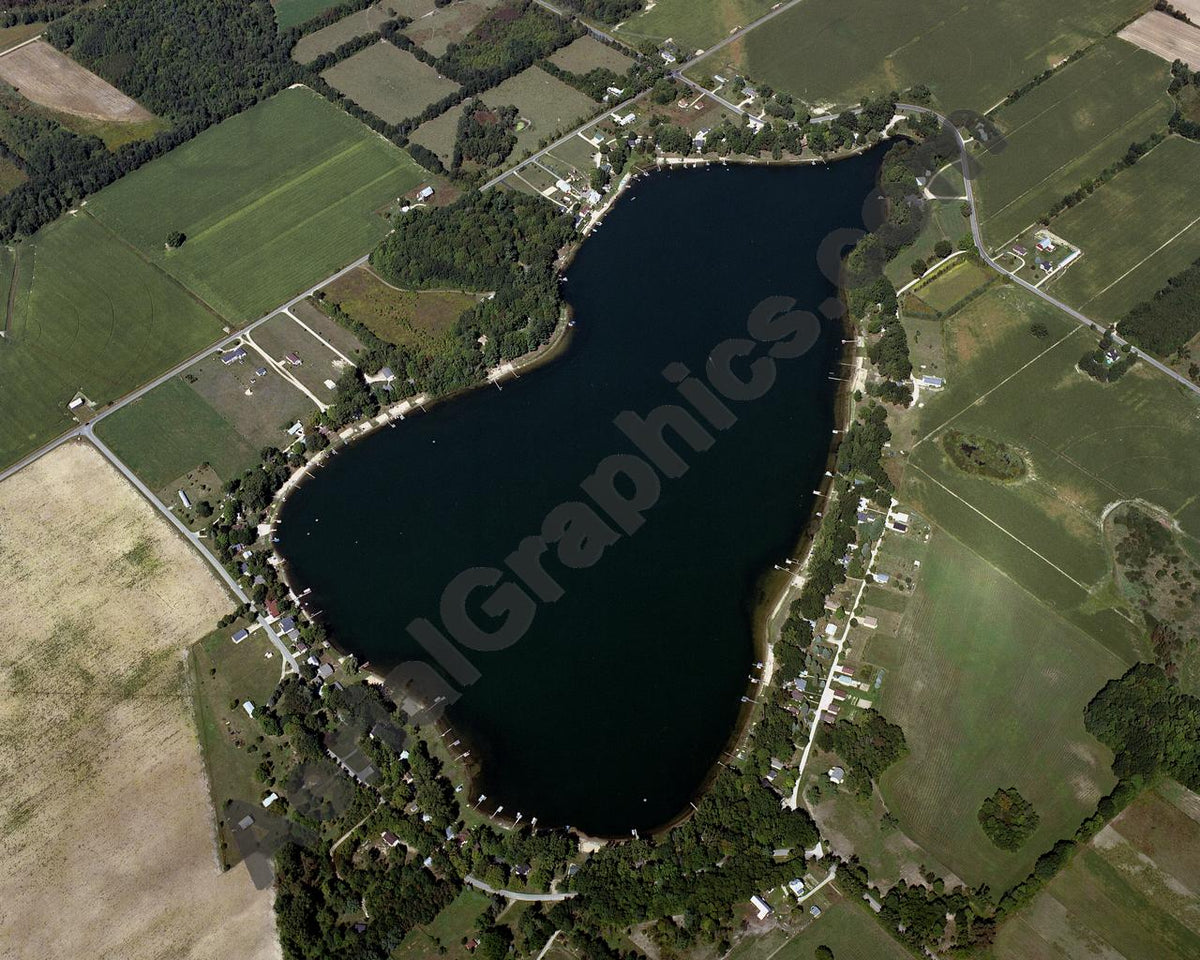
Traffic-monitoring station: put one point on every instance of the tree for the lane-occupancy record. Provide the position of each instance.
(175, 239)
(1039, 330)
(823, 953)
(918, 267)
(942, 249)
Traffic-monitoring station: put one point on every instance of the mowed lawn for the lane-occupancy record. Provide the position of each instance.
(1138, 229)
(971, 53)
(271, 201)
(171, 430)
(1067, 129)
(1087, 444)
(846, 927)
(89, 315)
(989, 686)
(1130, 894)
(693, 24)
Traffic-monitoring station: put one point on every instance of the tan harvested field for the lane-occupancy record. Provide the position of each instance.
(49, 78)
(1165, 36)
(106, 846)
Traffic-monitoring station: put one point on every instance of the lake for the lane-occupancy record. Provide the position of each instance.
(612, 707)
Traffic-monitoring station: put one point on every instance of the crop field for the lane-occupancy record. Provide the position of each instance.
(434, 31)
(1067, 129)
(971, 54)
(1087, 445)
(105, 815)
(439, 134)
(588, 53)
(1133, 892)
(170, 430)
(290, 13)
(329, 38)
(1165, 37)
(549, 105)
(416, 318)
(693, 24)
(90, 315)
(1138, 229)
(390, 82)
(951, 676)
(50, 78)
(271, 201)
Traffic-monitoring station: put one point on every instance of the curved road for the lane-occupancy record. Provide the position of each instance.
(515, 895)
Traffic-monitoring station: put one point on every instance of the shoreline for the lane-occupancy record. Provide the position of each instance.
(772, 593)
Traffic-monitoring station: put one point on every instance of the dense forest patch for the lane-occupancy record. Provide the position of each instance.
(1008, 818)
(983, 456)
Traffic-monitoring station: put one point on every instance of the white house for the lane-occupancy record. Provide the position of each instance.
(761, 905)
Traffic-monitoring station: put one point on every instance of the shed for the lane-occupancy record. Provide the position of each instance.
(248, 707)
(183, 498)
(294, 359)
(325, 671)
(246, 822)
(881, 577)
(425, 193)
(240, 635)
(868, 621)
(270, 798)
(815, 911)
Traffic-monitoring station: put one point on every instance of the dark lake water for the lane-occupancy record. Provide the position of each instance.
(610, 710)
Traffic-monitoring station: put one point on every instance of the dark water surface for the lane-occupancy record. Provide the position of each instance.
(611, 709)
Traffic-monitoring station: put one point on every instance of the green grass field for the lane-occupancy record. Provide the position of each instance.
(1087, 446)
(259, 408)
(329, 38)
(220, 671)
(954, 283)
(289, 13)
(952, 677)
(271, 200)
(1067, 129)
(1132, 893)
(90, 315)
(945, 222)
(390, 82)
(971, 54)
(588, 53)
(172, 429)
(439, 134)
(550, 106)
(419, 319)
(1138, 229)
(281, 335)
(693, 24)
(11, 176)
(446, 930)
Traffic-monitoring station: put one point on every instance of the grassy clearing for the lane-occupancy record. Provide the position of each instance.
(1137, 230)
(971, 54)
(439, 134)
(290, 13)
(219, 673)
(172, 429)
(945, 222)
(90, 315)
(1131, 893)
(950, 678)
(693, 24)
(549, 106)
(11, 176)
(328, 328)
(419, 319)
(1069, 128)
(588, 53)
(260, 408)
(19, 33)
(282, 335)
(271, 201)
(1086, 444)
(390, 82)
(447, 930)
(105, 802)
(951, 286)
(435, 31)
(329, 38)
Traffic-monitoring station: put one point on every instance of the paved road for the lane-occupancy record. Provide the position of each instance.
(235, 588)
(85, 429)
(977, 236)
(515, 895)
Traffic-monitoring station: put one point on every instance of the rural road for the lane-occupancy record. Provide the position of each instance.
(977, 236)
(86, 433)
(514, 895)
